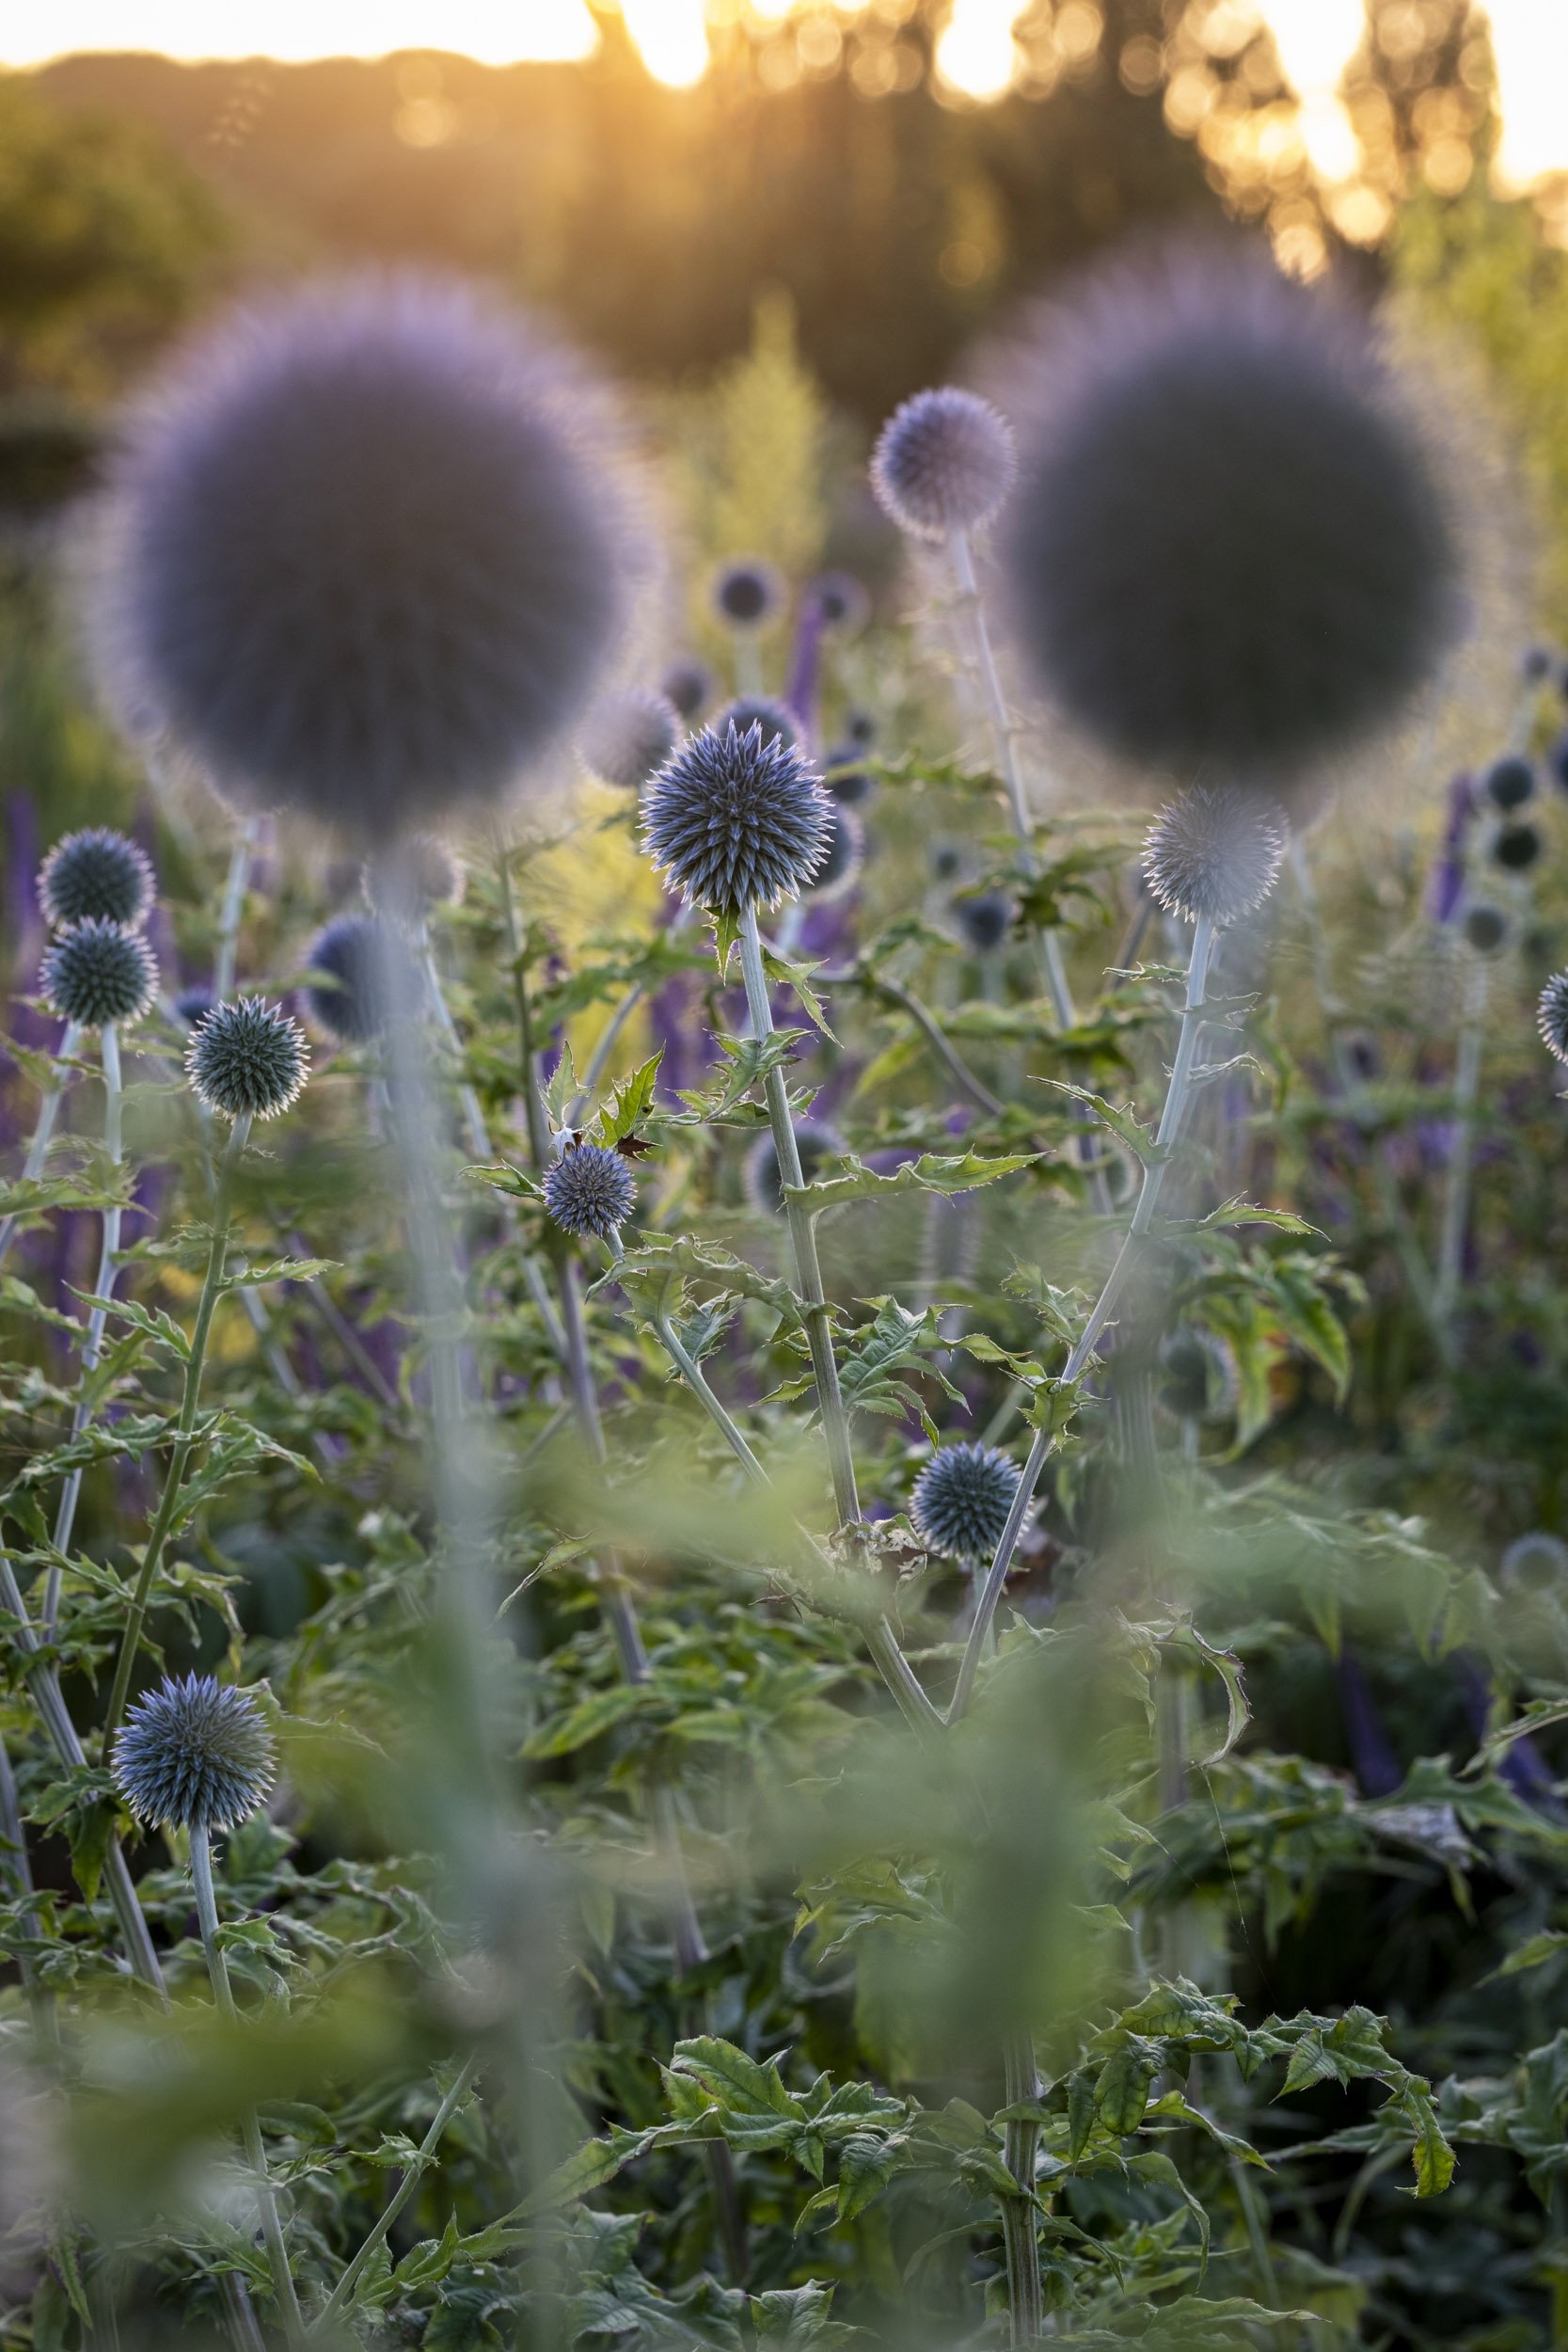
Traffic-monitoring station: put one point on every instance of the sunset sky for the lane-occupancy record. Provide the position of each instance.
(1315, 38)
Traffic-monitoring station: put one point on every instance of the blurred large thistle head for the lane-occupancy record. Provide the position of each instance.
(1230, 550)
(365, 554)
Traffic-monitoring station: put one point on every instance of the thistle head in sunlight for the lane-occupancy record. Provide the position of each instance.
(945, 462)
(1214, 856)
(734, 820)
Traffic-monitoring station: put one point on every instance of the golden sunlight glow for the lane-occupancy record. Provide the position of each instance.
(672, 37)
(1529, 42)
(975, 52)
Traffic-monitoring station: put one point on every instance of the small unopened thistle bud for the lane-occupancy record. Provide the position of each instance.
(816, 1142)
(1485, 929)
(1535, 1561)
(747, 593)
(98, 973)
(1509, 781)
(1551, 1015)
(840, 868)
(1515, 848)
(776, 720)
(196, 1754)
(961, 1500)
(688, 684)
(983, 918)
(349, 999)
(1214, 856)
(850, 786)
(427, 873)
(841, 603)
(247, 1060)
(627, 735)
(944, 462)
(735, 822)
(590, 1190)
(96, 875)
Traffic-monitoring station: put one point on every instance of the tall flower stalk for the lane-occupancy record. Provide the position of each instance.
(108, 1268)
(44, 1131)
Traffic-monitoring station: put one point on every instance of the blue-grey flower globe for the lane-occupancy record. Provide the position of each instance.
(816, 1142)
(733, 821)
(748, 593)
(983, 918)
(1551, 1016)
(1229, 551)
(247, 1060)
(688, 683)
(349, 999)
(99, 974)
(1214, 854)
(96, 874)
(961, 1500)
(1509, 781)
(944, 462)
(841, 603)
(627, 735)
(590, 1190)
(196, 1754)
(365, 556)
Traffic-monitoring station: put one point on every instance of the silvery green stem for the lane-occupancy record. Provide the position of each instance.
(49, 1110)
(233, 909)
(1177, 1094)
(92, 1348)
(802, 1236)
(218, 1968)
(1456, 1202)
(1020, 2239)
(877, 984)
(184, 1439)
(18, 1867)
(692, 1373)
(409, 2182)
(748, 661)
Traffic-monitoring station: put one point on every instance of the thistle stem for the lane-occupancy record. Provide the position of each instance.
(185, 1439)
(381, 2229)
(1177, 1095)
(232, 910)
(218, 1968)
(49, 1110)
(1019, 2240)
(92, 1348)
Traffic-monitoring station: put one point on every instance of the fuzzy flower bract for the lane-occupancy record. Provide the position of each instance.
(590, 1190)
(1214, 854)
(96, 874)
(363, 559)
(733, 822)
(961, 1500)
(195, 1754)
(247, 1060)
(944, 462)
(97, 971)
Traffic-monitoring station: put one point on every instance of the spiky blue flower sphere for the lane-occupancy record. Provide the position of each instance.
(349, 1001)
(841, 603)
(1509, 781)
(366, 556)
(748, 593)
(1214, 854)
(195, 1754)
(844, 860)
(590, 1190)
(688, 684)
(247, 1060)
(961, 1500)
(984, 917)
(816, 1142)
(96, 874)
(776, 720)
(1229, 551)
(98, 973)
(1485, 929)
(1515, 848)
(1551, 1016)
(733, 821)
(627, 735)
(944, 462)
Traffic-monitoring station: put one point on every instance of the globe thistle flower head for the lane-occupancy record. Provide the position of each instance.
(943, 462)
(733, 822)
(961, 1499)
(1535, 1561)
(96, 875)
(1214, 856)
(1535, 664)
(1509, 781)
(776, 720)
(1515, 848)
(816, 1142)
(590, 1190)
(247, 1060)
(428, 874)
(861, 727)
(1485, 929)
(627, 736)
(194, 1004)
(196, 1754)
(1229, 551)
(841, 603)
(1551, 1016)
(688, 684)
(97, 974)
(436, 556)
(983, 918)
(844, 859)
(348, 999)
(748, 593)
